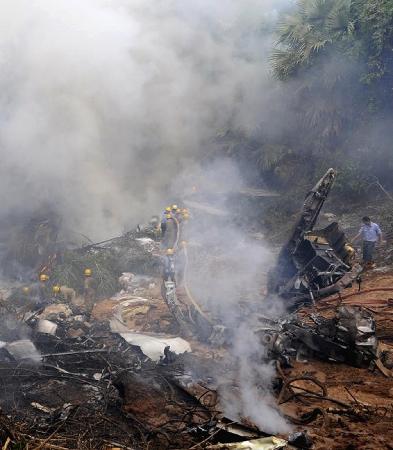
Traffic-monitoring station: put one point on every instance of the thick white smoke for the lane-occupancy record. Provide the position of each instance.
(103, 101)
(227, 275)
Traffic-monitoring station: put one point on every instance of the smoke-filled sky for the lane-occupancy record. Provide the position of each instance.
(103, 102)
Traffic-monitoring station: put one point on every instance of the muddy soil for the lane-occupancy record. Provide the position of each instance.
(368, 391)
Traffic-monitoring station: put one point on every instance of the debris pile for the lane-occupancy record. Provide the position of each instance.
(349, 337)
(119, 354)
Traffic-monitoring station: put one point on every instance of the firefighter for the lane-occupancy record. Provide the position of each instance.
(166, 215)
(170, 234)
(183, 231)
(68, 294)
(155, 225)
(169, 265)
(64, 293)
(43, 289)
(56, 291)
(26, 290)
(89, 291)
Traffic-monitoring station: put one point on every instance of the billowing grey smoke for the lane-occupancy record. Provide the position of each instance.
(102, 101)
(227, 276)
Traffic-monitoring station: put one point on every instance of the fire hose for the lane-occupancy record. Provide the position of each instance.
(364, 291)
(177, 233)
(186, 288)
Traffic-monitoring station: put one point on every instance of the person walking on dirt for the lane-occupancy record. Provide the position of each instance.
(371, 234)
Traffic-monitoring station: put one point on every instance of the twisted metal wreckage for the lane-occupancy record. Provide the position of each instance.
(312, 264)
(136, 392)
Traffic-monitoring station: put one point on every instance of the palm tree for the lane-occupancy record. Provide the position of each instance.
(315, 27)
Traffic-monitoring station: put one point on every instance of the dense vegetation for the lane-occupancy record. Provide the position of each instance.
(333, 60)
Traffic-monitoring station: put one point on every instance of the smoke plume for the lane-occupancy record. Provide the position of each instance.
(227, 276)
(104, 101)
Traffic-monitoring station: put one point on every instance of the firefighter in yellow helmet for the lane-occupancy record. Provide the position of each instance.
(64, 293)
(43, 289)
(165, 216)
(183, 232)
(89, 289)
(169, 231)
(56, 290)
(177, 212)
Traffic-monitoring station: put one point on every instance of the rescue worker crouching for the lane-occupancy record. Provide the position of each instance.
(64, 293)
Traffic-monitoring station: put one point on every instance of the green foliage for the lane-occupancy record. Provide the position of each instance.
(353, 181)
(338, 56)
(270, 156)
(103, 263)
(376, 32)
(335, 61)
(360, 30)
(313, 29)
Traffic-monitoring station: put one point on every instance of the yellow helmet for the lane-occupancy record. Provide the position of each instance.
(44, 277)
(25, 289)
(175, 207)
(168, 209)
(56, 289)
(349, 249)
(170, 251)
(87, 272)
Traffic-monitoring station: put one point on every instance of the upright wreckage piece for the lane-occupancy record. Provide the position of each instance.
(313, 263)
